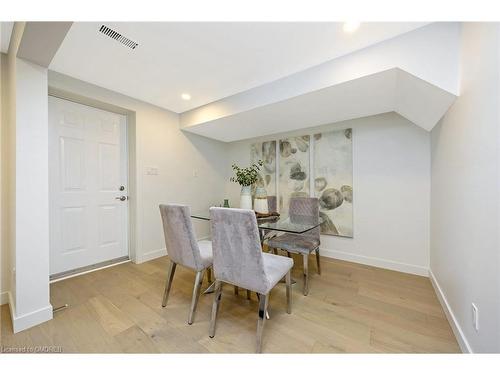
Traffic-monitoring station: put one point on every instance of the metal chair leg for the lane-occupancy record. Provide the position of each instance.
(196, 295)
(209, 275)
(168, 285)
(289, 292)
(267, 312)
(215, 307)
(306, 274)
(318, 261)
(263, 301)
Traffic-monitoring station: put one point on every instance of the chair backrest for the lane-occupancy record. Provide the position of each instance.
(306, 210)
(272, 204)
(236, 247)
(180, 239)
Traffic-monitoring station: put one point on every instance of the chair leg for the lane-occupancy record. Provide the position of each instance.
(318, 261)
(168, 285)
(289, 292)
(306, 274)
(263, 301)
(267, 312)
(209, 275)
(196, 295)
(215, 307)
(236, 290)
(249, 294)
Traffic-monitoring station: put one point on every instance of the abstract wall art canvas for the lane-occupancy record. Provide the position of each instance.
(293, 170)
(333, 181)
(265, 151)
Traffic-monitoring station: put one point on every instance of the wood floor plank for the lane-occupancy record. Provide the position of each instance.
(351, 308)
(79, 326)
(112, 319)
(135, 340)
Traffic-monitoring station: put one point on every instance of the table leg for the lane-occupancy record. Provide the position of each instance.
(210, 289)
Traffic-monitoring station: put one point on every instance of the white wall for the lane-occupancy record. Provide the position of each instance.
(191, 168)
(8, 176)
(25, 189)
(4, 252)
(8, 170)
(465, 252)
(8, 159)
(391, 182)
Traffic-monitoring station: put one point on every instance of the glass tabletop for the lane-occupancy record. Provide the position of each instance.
(292, 224)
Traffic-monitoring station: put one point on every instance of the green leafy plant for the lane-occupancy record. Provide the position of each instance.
(246, 176)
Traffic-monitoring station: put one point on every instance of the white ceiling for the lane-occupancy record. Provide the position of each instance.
(5, 33)
(393, 90)
(209, 61)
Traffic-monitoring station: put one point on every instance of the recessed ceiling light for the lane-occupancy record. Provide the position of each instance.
(350, 27)
(186, 96)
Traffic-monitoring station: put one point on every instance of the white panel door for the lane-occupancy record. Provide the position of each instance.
(88, 167)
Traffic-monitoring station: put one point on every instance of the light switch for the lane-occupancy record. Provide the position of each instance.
(152, 171)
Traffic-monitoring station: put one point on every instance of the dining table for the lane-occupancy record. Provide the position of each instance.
(270, 226)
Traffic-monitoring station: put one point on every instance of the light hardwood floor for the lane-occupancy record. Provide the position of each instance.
(350, 308)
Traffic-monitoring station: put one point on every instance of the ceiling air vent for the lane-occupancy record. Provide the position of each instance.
(117, 36)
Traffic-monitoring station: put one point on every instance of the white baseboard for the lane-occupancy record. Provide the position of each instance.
(376, 262)
(20, 323)
(31, 319)
(153, 254)
(150, 255)
(4, 298)
(455, 326)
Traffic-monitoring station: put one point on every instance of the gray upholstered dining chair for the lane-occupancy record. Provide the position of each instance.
(239, 260)
(303, 210)
(183, 249)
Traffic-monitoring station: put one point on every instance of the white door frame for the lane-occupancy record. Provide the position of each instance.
(131, 159)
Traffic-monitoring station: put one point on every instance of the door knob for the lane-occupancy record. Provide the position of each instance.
(122, 198)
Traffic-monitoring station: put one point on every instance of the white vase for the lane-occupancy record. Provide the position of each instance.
(246, 197)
